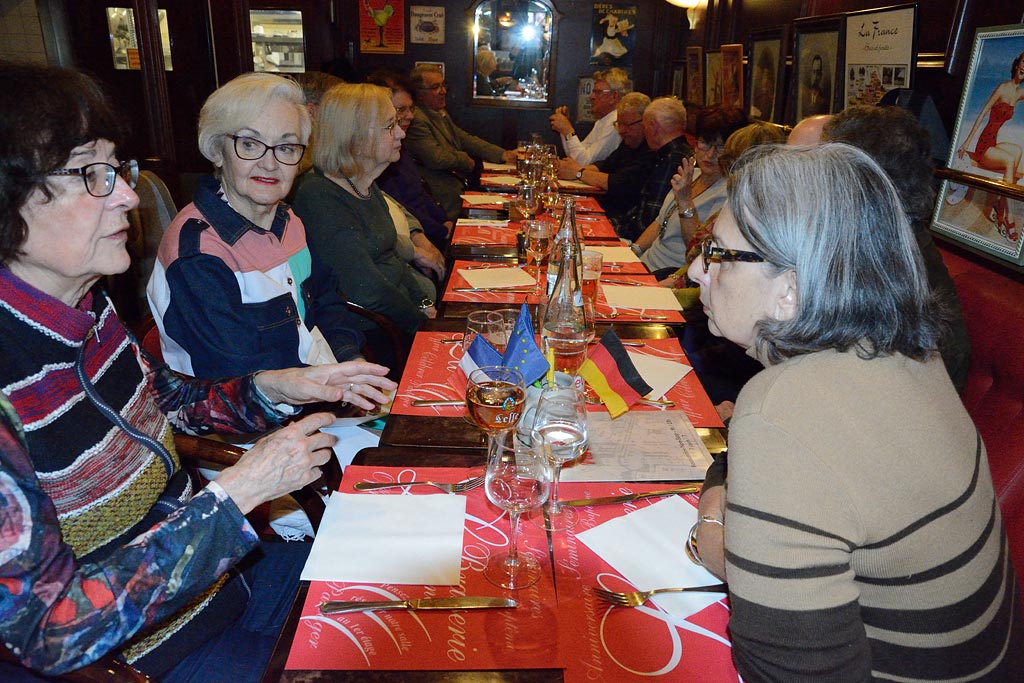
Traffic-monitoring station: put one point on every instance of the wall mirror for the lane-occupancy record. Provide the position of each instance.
(512, 53)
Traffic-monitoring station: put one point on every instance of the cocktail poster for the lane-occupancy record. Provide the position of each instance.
(426, 25)
(382, 27)
(613, 34)
(880, 54)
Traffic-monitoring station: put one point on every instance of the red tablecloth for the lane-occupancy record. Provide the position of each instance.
(436, 360)
(567, 628)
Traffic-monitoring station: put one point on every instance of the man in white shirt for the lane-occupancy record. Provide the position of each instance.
(609, 87)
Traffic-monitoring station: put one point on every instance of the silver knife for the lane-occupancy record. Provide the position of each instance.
(340, 606)
(623, 282)
(609, 500)
(430, 402)
(518, 290)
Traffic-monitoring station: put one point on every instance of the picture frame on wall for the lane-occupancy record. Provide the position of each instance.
(988, 131)
(712, 77)
(732, 75)
(679, 79)
(694, 75)
(817, 80)
(880, 54)
(766, 85)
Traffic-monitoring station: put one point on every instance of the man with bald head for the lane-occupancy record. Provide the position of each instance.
(808, 131)
(664, 123)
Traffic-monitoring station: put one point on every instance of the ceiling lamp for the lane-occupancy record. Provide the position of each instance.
(505, 20)
(688, 5)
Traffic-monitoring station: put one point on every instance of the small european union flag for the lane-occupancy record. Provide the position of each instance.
(522, 352)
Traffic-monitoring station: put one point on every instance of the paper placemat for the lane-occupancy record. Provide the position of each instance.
(648, 298)
(490, 278)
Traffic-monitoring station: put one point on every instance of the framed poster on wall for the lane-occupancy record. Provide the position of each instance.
(712, 77)
(817, 66)
(881, 53)
(766, 85)
(732, 75)
(613, 34)
(987, 140)
(694, 75)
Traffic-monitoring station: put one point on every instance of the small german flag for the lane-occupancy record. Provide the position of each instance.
(611, 374)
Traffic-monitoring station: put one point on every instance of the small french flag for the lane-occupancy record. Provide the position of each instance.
(479, 354)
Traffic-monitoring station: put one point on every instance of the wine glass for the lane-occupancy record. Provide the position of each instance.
(487, 323)
(539, 236)
(527, 201)
(517, 480)
(560, 432)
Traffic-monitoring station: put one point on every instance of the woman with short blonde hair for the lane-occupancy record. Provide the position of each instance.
(345, 213)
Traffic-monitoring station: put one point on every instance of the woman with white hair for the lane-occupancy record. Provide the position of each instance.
(350, 227)
(235, 288)
(862, 536)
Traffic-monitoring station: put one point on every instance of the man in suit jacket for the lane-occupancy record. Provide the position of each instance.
(446, 154)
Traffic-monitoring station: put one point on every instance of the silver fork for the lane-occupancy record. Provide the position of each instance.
(457, 487)
(637, 598)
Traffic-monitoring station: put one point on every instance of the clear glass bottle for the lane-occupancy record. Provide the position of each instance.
(568, 325)
(567, 235)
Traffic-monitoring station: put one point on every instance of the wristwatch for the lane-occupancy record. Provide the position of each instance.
(688, 212)
(579, 174)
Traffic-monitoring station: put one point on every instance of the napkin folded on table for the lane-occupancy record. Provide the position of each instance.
(400, 539)
(646, 548)
(484, 199)
(661, 373)
(615, 254)
(645, 298)
(509, 180)
(610, 372)
(483, 222)
(498, 277)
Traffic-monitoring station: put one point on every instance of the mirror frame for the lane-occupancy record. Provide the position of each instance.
(505, 102)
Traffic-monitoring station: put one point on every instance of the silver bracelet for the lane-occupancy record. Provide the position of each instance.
(691, 538)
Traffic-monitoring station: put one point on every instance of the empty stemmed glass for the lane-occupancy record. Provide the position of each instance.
(538, 241)
(527, 200)
(560, 432)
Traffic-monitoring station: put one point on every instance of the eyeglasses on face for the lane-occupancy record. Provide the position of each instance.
(435, 86)
(390, 125)
(704, 146)
(710, 253)
(251, 149)
(598, 91)
(404, 110)
(100, 178)
(623, 126)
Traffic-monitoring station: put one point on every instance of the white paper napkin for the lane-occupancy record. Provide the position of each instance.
(509, 180)
(616, 254)
(486, 222)
(491, 166)
(577, 184)
(660, 374)
(650, 298)
(401, 539)
(646, 548)
(490, 278)
(478, 199)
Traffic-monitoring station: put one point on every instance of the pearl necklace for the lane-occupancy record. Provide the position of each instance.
(356, 189)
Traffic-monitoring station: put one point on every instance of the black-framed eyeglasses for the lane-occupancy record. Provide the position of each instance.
(251, 149)
(710, 253)
(436, 86)
(622, 126)
(101, 177)
(405, 110)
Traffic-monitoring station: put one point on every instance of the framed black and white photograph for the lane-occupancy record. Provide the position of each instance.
(765, 90)
(694, 75)
(987, 142)
(881, 52)
(712, 77)
(817, 66)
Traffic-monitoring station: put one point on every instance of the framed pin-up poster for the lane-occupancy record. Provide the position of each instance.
(987, 143)
(765, 89)
(694, 75)
(712, 77)
(732, 75)
(817, 66)
(881, 53)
